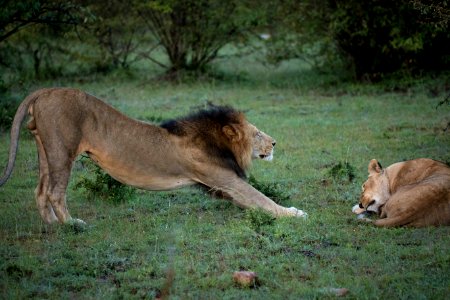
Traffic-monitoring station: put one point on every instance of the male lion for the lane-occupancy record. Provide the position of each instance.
(213, 148)
(413, 193)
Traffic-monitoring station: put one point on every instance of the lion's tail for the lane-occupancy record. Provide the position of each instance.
(15, 131)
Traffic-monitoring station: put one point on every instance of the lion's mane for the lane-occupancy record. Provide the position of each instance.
(204, 128)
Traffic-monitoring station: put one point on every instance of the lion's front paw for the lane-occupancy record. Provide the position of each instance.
(297, 212)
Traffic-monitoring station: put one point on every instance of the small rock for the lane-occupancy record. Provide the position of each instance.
(340, 292)
(245, 278)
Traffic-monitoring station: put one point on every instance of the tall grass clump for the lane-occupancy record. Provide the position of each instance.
(96, 183)
(342, 171)
(273, 190)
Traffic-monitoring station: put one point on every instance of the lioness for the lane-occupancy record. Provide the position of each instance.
(413, 193)
(213, 148)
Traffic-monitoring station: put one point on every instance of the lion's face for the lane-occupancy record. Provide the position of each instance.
(375, 191)
(262, 144)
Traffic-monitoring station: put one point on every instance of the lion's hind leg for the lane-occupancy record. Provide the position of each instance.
(56, 179)
(41, 192)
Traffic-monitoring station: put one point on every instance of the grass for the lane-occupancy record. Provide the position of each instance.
(187, 245)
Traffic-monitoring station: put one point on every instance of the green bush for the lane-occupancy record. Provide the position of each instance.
(367, 38)
(101, 185)
(272, 190)
(8, 108)
(380, 37)
(342, 172)
(257, 218)
(192, 32)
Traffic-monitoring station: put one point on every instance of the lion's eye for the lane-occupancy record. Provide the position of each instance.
(258, 134)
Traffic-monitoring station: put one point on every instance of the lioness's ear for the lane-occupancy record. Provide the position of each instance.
(375, 167)
(231, 132)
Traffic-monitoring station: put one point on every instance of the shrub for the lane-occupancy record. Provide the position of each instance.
(272, 190)
(342, 172)
(370, 38)
(192, 32)
(8, 108)
(103, 186)
(384, 36)
(257, 218)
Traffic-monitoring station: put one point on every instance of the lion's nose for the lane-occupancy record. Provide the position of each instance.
(274, 143)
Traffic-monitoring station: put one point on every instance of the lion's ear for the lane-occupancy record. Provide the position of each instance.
(232, 133)
(375, 167)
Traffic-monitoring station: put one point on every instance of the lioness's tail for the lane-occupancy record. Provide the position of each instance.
(15, 130)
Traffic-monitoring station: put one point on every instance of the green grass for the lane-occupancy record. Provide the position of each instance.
(132, 249)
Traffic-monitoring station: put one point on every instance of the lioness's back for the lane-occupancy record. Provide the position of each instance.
(421, 193)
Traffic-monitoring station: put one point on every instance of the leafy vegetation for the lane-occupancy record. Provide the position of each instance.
(273, 190)
(8, 108)
(384, 38)
(192, 32)
(370, 38)
(101, 185)
(342, 171)
(16, 16)
(361, 40)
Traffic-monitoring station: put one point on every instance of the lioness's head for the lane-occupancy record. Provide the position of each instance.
(375, 191)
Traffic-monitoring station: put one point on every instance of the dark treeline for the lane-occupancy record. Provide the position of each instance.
(47, 38)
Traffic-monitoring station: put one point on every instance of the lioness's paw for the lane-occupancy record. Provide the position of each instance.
(297, 212)
(364, 217)
(357, 210)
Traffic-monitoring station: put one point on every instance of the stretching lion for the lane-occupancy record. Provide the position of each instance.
(213, 148)
(413, 193)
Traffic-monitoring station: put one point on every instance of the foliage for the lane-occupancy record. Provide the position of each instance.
(118, 35)
(273, 190)
(101, 185)
(372, 38)
(356, 39)
(35, 53)
(257, 219)
(8, 108)
(33, 40)
(385, 36)
(192, 32)
(16, 15)
(299, 30)
(445, 101)
(342, 172)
